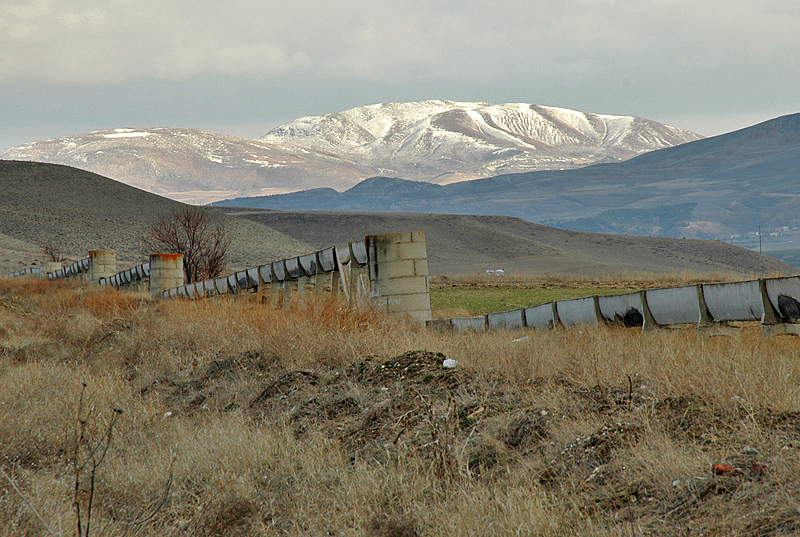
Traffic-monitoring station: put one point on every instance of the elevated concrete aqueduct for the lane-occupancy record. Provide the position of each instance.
(390, 272)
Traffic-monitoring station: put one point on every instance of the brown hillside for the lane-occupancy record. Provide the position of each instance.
(75, 211)
(468, 243)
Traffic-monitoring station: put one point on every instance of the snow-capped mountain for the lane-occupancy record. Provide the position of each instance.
(191, 165)
(440, 141)
(435, 141)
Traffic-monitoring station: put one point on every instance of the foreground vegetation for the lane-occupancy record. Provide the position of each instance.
(225, 417)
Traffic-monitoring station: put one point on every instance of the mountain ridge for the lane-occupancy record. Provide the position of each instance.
(735, 181)
(458, 142)
(426, 139)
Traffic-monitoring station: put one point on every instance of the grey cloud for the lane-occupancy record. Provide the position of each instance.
(662, 59)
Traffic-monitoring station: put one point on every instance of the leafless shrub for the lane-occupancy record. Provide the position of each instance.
(52, 253)
(193, 232)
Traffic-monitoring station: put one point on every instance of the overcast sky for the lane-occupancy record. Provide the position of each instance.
(243, 67)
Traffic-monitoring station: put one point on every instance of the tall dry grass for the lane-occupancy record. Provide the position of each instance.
(211, 468)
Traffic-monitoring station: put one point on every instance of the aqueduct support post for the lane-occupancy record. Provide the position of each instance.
(166, 272)
(102, 264)
(398, 274)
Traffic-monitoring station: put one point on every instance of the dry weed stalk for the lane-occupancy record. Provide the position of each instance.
(88, 456)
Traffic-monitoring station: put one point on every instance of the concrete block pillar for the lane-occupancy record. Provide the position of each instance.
(398, 274)
(302, 287)
(166, 272)
(48, 267)
(102, 264)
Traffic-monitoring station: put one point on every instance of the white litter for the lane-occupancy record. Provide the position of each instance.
(449, 363)
(523, 338)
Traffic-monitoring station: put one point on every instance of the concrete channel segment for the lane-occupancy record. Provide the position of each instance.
(579, 312)
(738, 301)
(627, 309)
(506, 320)
(674, 305)
(463, 324)
(542, 317)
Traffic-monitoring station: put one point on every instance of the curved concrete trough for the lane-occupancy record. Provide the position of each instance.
(541, 317)
(221, 285)
(508, 320)
(359, 252)
(265, 273)
(465, 324)
(577, 312)
(675, 305)
(233, 283)
(327, 259)
(627, 310)
(738, 301)
(784, 297)
(308, 263)
(279, 270)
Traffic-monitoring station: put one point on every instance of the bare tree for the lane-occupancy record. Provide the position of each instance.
(51, 252)
(193, 232)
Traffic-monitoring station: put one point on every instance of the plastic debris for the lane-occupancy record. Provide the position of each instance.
(758, 469)
(721, 469)
(449, 363)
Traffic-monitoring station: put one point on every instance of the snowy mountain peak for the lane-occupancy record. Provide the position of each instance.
(439, 140)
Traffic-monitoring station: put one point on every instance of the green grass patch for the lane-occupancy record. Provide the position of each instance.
(488, 300)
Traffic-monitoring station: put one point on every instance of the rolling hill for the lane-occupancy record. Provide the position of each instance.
(76, 211)
(459, 244)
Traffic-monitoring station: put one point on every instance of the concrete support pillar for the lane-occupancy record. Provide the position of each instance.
(102, 264)
(287, 293)
(302, 285)
(358, 283)
(275, 292)
(336, 283)
(48, 267)
(166, 272)
(398, 274)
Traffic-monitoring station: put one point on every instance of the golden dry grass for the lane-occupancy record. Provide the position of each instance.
(316, 420)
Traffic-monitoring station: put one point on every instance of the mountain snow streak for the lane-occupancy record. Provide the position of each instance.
(447, 140)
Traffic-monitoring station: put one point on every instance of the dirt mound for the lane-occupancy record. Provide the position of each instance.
(468, 426)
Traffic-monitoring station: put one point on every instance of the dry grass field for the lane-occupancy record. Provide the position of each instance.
(229, 418)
